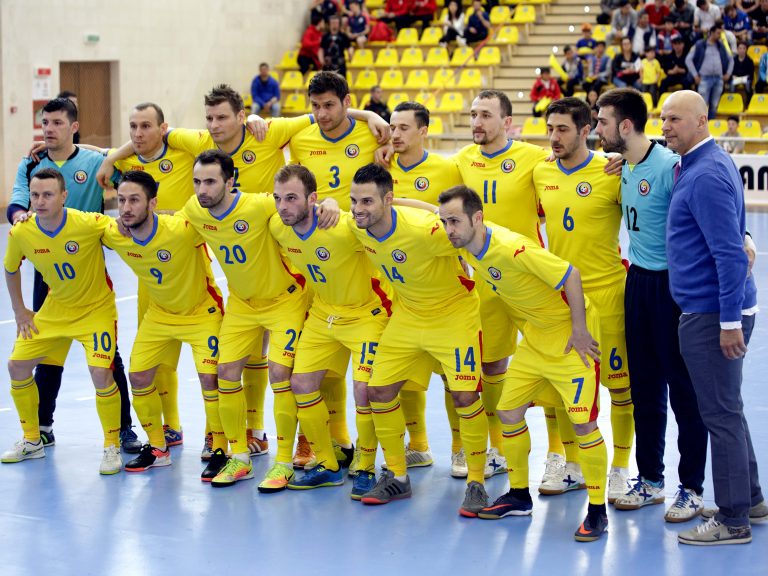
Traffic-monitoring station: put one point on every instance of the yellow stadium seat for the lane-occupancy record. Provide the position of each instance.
(352, 100)
(310, 75)
(387, 58)
(580, 94)
(247, 100)
(731, 103)
(451, 102)
(508, 35)
(444, 78)
(500, 15)
(470, 78)
(364, 100)
(488, 56)
(392, 80)
(362, 58)
(648, 100)
(534, 127)
(274, 75)
(717, 127)
(600, 31)
(427, 99)
(412, 57)
(462, 56)
(612, 50)
(758, 106)
(756, 51)
(395, 98)
(524, 14)
(661, 101)
(407, 37)
(750, 129)
(653, 127)
(431, 36)
(436, 126)
(374, 4)
(437, 56)
(292, 80)
(289, 61)
(418, 79)
(366, 80)
(295, 103)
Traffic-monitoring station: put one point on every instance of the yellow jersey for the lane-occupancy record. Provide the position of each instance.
(172, 264)
(70, 258)
(334, 263)
(583, 210)
(418, 260)
(334, 161)
(256, 163)
(172, 171)
(425, 179)
(241, 241)
(504, 181)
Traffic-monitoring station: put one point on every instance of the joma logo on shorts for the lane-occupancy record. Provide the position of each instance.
(102, 356)
(366, 369)
(572, 409)
(210, 361)
(617, 375)
(288, 354)
(465, 377)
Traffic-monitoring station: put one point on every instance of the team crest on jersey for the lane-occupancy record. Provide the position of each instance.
(495, 273)
(644, 187)
(352, 151)
(241, 226)
(163, 255)
(322, 254)
(583, 189)
(81, 176)
(399, 256)
(165, 166)
(249, 157)
(507, 165)
(72, 247)
(421, 184)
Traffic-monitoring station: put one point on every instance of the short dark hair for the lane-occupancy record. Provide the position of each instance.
(545, 70)
(375, 174)
(420, 112)
(741, 42)
(718, 25)
(263, 64)
(50, 174)
(225, 93)
(504, 103)
(734, 118)
(627, 103)
(600, 42)
(328, 81)
(66, 94)
(576, 108)
(158, 111)
(470, 200)
(144, 180)
(65, 104)
(567, 48)
(216, 156)
(301, 173)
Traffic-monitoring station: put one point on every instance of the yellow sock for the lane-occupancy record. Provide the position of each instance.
(492, 385)
(390, 430)
(517, 444)
(167, 384)
(414, 403)
(622, 426)
(568, 436)
(553, 432)
(232, 408)
(108, 408)
(593, 457)
(26, 398)
(285, 420)
(453, 422)
(313, 415)
(334, 390)
(213, 418)
(366, 437)
(255, 381)
(474, 436)
(149, 409)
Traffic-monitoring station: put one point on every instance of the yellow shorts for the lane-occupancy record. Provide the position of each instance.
(94, 327)
(244, 323)
(325, 337)
(410, 343)
(609, 303)
(499, 328)
(142, 301)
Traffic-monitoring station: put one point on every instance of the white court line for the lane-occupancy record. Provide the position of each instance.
(5, 409)
(85, 398)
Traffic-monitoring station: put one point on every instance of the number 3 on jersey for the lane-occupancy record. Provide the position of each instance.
(335, 175)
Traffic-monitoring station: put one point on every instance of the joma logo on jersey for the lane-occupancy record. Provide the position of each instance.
(371, 250)
(478, 164)
(421, 184)
(317, 152)
(583, 189)
(552, 187)
(165, 166)
(644, 187)
(210, 227)
(248, 157)
(81, 176)
(72, 247)
(322, 254)
(399, 256)
(163, 255)
(241, 226)
(495, 273)
(352, 151)
(507, 165)
(42, 251)
(294, 250)
(134, 255)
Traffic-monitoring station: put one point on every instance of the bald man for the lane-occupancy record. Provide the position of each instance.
(710, 280)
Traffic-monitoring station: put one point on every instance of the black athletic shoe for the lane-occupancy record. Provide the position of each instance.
(593, 526)
(344, 456)
(129, 442)
(516, 502)
(48, 438)
(215, 465)
(149, 457)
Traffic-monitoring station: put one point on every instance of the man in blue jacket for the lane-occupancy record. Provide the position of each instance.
(710, 280)
(265, 92)
(711, 65)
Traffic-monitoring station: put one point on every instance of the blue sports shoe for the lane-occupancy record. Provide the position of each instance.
(172, 437)
(317, 477)
(362, 483)
(129, 442)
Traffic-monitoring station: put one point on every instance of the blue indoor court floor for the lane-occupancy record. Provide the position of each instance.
(59, 517)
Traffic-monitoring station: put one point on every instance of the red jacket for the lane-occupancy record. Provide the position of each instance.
(398, 7)
(545, 90)
(424, 7)
(310, 44)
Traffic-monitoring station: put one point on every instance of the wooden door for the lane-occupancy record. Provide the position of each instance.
(91, 82)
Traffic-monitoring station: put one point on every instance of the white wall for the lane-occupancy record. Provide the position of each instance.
(167, 51)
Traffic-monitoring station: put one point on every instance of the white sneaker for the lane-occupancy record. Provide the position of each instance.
(459, 464)
(570, 478)
(640, 494)
(495, 463)
(553, 469)
(618, 484)
(112, 462)
(414, 458)
(23, 450)
(687, 505)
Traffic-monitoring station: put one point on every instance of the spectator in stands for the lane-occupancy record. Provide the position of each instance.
(743, 72)
(545, 90)
(644, 34)
(606, 10)
(597, 69)
(626, 66)
(675, 68)
(665, 36)
(377, 103)
(325, 8)
(453, 23)
(762, 74)
(72, 97)
(738, 22)
(335, 47)
(309, 53)
(586, 44)
(704, 17)
(592, 97)
(623, 23)
(357, 24)
(424, 11)
(265, 92)
(733, 146)
(683, 14)
(399, 12)
(573, 68)
(760, 23)
(478, 24)
(711, 65)
(657, 11)
(651, 73)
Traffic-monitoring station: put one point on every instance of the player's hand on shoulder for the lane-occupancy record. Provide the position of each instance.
(383, 155)
(257, 126)
(379, 128)
(25, 323)
(586, 346)
(22, 216)
(615, 162)
(328, 213)
(35, 150)
(105, 173)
